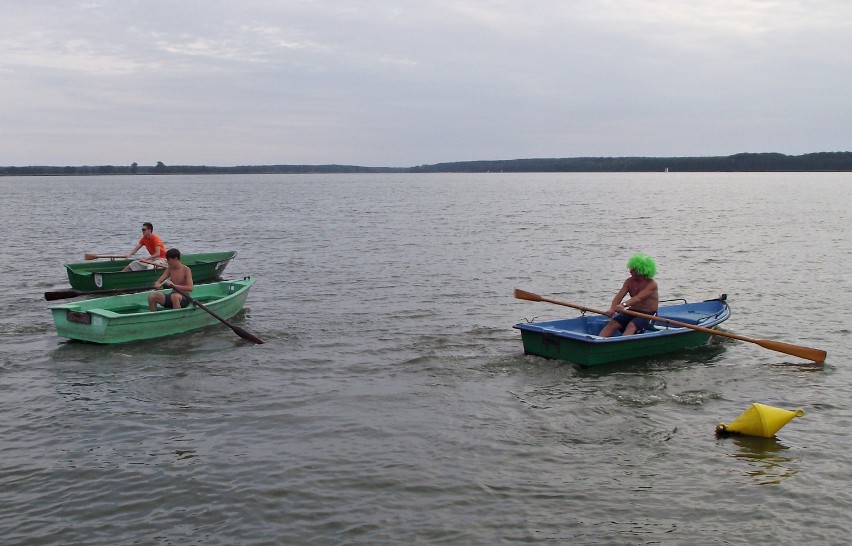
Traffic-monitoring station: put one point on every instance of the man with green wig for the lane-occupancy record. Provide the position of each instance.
(644, 298)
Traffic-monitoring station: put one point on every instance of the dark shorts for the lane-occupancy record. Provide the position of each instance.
(184, 301)
(624, 319)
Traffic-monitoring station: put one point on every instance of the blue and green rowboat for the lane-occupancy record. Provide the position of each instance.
(108, 275)
(119, 319)
(576, 340)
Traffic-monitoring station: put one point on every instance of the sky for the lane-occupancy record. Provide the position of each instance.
(406, 83)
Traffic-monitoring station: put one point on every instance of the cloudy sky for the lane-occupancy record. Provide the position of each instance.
(403, 83)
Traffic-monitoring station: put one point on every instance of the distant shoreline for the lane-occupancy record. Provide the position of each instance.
(744, 162)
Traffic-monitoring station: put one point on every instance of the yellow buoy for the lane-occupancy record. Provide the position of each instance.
(760, 420)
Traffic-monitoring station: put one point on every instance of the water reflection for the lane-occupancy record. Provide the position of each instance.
(708, 354)
(764, 458)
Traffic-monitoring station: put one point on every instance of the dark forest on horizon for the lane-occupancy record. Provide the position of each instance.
(744, 162)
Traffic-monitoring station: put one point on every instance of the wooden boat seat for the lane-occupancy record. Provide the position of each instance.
(132, 308)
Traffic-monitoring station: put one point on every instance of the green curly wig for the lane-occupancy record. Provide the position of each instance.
(642, 264)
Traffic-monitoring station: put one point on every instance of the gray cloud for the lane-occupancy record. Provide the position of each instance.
(406, 83)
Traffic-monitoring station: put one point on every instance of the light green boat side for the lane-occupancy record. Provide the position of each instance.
(108, 275)
(119, 319)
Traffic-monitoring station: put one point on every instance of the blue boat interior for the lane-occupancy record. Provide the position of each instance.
(707, 313)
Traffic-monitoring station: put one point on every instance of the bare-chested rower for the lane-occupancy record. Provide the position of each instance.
(644, 298)
(176, 275)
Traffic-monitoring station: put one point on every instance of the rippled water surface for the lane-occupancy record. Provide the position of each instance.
(392, 402)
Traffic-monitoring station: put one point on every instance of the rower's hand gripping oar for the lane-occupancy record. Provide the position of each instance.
(815, 355)
(237, 330)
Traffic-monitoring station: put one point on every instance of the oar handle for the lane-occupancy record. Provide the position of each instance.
(155, 264)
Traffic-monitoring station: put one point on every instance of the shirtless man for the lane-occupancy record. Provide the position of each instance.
(179, 276)
(644, 298)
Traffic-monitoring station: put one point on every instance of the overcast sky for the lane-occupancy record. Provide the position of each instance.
(384, 83)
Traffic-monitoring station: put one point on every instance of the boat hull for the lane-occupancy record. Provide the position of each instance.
(108, 275)
(125, 318)
(576, 340)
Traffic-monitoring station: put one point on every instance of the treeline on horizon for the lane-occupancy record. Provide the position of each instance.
(744, 162)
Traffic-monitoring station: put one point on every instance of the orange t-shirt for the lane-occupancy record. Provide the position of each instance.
(152, 243)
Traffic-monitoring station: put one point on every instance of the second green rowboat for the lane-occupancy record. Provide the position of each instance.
(108, 275)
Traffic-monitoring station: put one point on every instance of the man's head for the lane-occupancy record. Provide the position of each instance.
(643, 265)
(173, 254)
(147, 229)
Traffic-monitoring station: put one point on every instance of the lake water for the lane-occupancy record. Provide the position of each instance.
(392, 402)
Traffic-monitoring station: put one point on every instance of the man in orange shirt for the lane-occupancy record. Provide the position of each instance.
(155, 247)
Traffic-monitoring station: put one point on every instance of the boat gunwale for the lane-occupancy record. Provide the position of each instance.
(76, 306)
(90, 267)
(663, 329)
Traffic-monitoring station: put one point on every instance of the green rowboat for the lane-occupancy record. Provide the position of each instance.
(119, 319)
(108, 275)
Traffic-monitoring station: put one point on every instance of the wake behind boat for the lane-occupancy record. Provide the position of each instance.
(576, 340)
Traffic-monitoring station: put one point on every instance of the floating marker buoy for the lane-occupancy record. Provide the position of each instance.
(760, 420)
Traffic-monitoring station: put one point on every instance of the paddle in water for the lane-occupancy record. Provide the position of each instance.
(815, 355)
(237, 330)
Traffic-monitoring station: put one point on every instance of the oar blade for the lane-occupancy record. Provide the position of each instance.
(236, 329)
(814, 355)
(60, 294)
(93, 256)
(248, 336)
(524, 295)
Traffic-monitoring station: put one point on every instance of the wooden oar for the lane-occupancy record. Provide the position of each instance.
(93, 256)
(64, 294)
(155, 264)
(239, 331)
(70, 293)
(815, 355)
